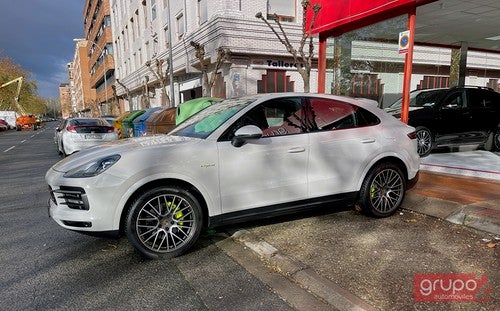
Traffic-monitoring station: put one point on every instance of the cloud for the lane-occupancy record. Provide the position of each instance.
(39, 36)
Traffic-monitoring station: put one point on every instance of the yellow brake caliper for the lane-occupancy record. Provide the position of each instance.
(372, 191)
(178, 214)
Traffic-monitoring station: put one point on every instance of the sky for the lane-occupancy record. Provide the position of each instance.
(38, 35)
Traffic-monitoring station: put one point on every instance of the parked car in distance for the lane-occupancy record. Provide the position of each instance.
(4, 126)
(75, 134)
(110, 118)
(453, 116)
(244, 158)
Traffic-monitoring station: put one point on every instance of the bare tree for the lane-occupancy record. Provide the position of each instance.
(222, 55)
(161, 77)
(127, 91)
(299, 56)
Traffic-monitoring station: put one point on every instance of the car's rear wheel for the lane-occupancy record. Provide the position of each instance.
(425, 141)
(164, 222)
(382, 190)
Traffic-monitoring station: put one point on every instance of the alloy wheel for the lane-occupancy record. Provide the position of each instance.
(424, 142)
(165, 223)
(386, 191)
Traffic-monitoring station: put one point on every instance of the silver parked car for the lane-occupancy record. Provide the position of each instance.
(75, 134)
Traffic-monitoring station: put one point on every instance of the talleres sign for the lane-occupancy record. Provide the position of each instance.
(282, 64)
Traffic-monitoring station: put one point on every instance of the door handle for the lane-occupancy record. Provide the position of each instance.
(368, 140)
(296, 149)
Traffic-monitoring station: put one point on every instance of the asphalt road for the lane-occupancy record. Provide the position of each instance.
(45, 267)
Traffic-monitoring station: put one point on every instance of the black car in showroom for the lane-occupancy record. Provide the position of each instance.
(468, 115)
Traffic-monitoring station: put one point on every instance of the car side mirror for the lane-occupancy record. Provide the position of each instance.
(245, 133)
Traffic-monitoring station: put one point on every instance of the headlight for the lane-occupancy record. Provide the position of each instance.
(93, 168)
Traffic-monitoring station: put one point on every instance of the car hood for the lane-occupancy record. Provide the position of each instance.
(121, 147)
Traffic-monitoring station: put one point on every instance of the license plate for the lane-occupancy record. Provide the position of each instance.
(93, 136)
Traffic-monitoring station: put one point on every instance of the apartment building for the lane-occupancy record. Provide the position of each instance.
(146, 46)
(82, 93)
(99, 46)
(148, 34)
(65, 100)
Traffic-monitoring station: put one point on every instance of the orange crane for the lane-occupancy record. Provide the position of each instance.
(25, 120)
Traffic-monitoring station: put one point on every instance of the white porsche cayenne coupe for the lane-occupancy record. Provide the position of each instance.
(245, 158)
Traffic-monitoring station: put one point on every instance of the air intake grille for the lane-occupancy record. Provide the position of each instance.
(73, 197)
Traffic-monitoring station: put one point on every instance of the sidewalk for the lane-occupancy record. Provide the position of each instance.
(352, 264)
(460, 187)
(469, 201)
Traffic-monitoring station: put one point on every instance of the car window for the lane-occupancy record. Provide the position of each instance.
(88, 122)
(276, 117)
(491, 99)
(326, 114)
(479, 98)
(283, 117)
(202, 124)
(426, 98)
(455, 99)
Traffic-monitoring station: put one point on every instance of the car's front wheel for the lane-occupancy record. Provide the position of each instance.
(425, 141)
(164, 222)
(383, 190)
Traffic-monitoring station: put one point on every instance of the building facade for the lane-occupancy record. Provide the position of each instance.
(82, 93)
(148, 34)
(141, 54)
(65, 100)
(98, 34)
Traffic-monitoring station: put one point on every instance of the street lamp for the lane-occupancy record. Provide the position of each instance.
(171, 65)
(104, 63)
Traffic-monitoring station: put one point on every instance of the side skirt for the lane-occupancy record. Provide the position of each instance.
(282, 209)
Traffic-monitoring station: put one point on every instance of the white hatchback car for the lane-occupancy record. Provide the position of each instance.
(250, 157)
(75, 134)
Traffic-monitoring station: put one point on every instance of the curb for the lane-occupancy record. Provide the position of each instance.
(299, 273)
(481, 216)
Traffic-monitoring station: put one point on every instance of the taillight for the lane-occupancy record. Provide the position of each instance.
(412, 135)
(71, 128)
(111, 129)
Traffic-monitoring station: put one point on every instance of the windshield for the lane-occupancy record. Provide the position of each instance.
(421, 99)
(205, 122)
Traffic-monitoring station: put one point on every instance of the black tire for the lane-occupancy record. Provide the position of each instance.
(383, 190)
(496, 141)
(164, 222)
(493, 142)
(425, 141)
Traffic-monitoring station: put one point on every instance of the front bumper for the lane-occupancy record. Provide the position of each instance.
(85, 204)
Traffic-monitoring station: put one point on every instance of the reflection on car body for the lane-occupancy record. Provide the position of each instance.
(252, 157)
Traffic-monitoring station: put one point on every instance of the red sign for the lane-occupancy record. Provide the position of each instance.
(346, 13)
(451, 287)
